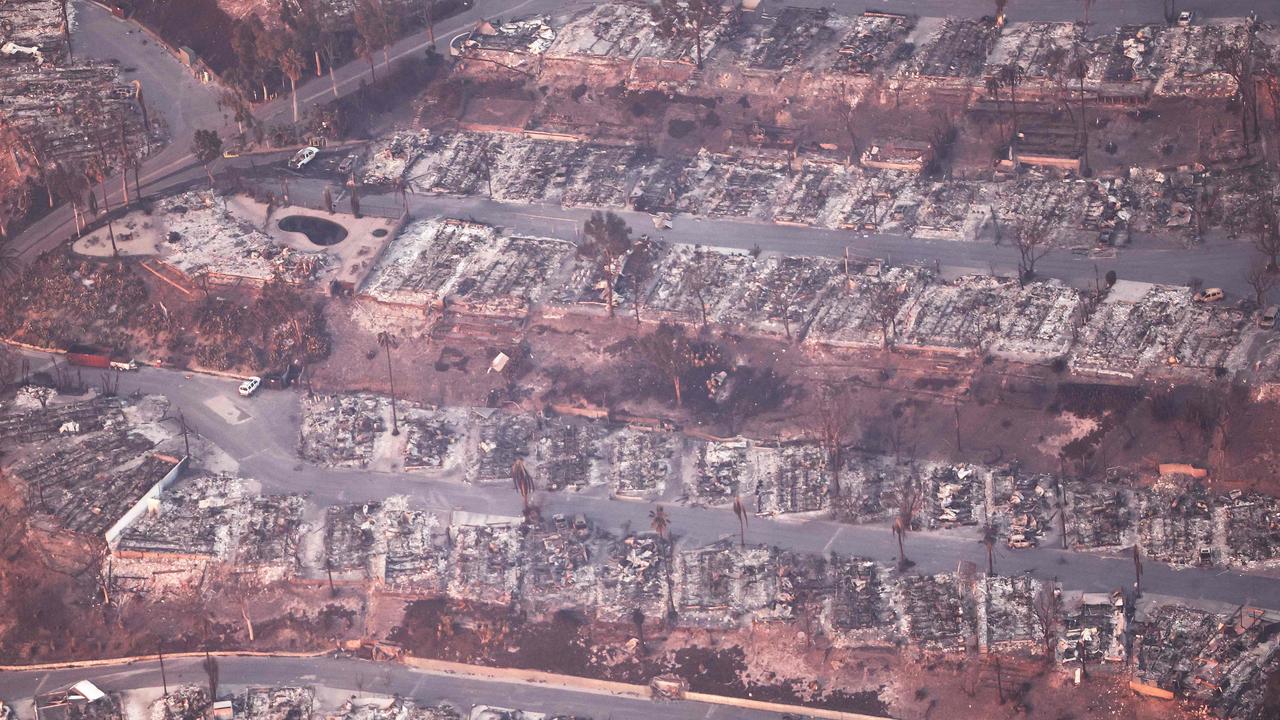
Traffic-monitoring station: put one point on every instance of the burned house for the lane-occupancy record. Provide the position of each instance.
(1099, 512)
(560, 565)
(875, 41)
(643, 462)
(634, 575)
(1216, 659)
(791, 479)
(386, 542)
(718, 473)
(499, 439)
(937, 611)
(1094, 629)
(859, 608)
(343, 430)
(485, 559)
(567, 455)
(723, 583)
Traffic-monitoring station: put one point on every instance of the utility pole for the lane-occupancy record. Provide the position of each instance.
(186, 442)
(163, 680)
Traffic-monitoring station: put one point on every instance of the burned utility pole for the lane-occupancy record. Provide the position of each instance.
(164, 681)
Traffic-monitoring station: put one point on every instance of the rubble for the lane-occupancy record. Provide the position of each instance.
(791, 479)
(859, 609)
(386, 542)
(790, 37)
(42, 424)
(718, 472)
(1041, 49)
(934, 612)
(397, 708)
(275, 703)
(567, 455)
(1176, 523)
(500, 439)
(560, 565)
(721, 583)
(1216, 659)
(466, 265)
(87, 484)
(634, 576)
(1022, 504)
(198, 237)
(343, 430)
(1006, 619)
(1139, 327)
(954, 495)
(644, 461)
(210, 518)
(1099, 512)
(484, 563)
(1094, 627)
(954, 48)
(391, 157)
(1185, 59)
(432, 439)
(623, 32)
(875, 41)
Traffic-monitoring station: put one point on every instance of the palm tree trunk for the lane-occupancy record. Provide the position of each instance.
(333, 82)
(293, 90)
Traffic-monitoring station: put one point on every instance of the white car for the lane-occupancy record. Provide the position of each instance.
(303, 157)
(250, 386)
(124, 366)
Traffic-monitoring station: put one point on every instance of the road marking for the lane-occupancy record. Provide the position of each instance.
(223, 407)
(826, 549)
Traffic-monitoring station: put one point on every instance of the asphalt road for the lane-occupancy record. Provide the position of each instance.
(360, 678)
(264, 441)
(188, 105)
(1218, 261)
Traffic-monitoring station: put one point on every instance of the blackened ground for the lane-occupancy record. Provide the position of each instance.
(569, 644)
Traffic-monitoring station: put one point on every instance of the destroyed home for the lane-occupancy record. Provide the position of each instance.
(718, 472)
(721, 583)
(1099, 511)
(1210, 657)
(936, 611)
(1006, 617)
(791, 479)
(386, 542)
(485, 560)
(859, 609)
(500, 439)
(567, 455)
(634, 575)
(874, 42)
(951, 47)
(344, 430)
(1095, 628)
(1139, 327)
(210, 519)
(560, 565)
(643, 462)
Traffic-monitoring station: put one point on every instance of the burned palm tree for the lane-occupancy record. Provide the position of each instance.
(389, 342)
(661, 524)
(660, 521)
(902, 523)
(523, 482)
(741, 512)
